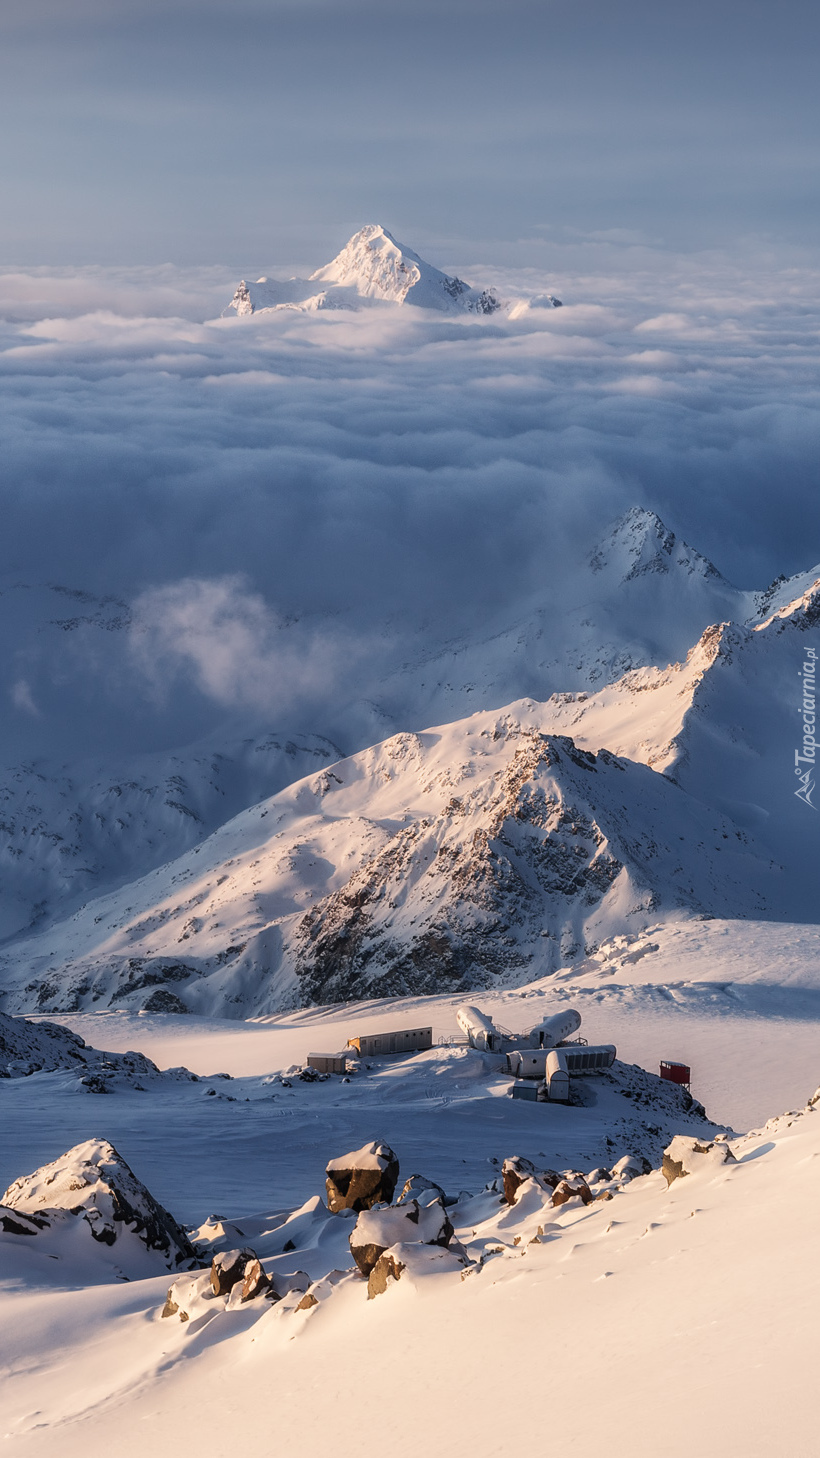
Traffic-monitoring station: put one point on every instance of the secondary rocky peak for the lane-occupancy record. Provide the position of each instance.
(639, 544)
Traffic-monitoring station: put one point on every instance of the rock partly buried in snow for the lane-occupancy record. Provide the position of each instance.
(631, 1167)
(189, 1296)
(686, 1156)
(412, 1262)
(365, 1177)
(93, 1183)
(377, 1230)
(516, 1170)
(418, 1187)
(228, 1268)
(575, 1187)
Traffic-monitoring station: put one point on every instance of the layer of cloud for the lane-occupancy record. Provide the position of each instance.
(285, 494)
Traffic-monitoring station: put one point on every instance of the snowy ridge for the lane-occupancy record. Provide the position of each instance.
(480, 851)
(371, 266)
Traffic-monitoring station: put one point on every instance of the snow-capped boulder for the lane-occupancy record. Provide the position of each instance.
(229, 1267)
(376, 1230)
(630, 1167)
(686, 1156)
(365, 1177)
(516, 1170)
(92, 1184)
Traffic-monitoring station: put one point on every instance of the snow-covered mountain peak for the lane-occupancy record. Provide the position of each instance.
(639, 543)
(373, 265)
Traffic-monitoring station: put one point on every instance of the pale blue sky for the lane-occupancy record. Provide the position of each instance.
(251, 131)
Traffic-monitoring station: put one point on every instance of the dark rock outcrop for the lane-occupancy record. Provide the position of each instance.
(365, 1177)
(228, 1268)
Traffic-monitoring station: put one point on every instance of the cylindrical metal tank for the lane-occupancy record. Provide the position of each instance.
(555, 1029)
(557, 1076)
(481, 1030)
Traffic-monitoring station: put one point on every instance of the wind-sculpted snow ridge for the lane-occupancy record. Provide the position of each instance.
(484, 852)
(372, 266)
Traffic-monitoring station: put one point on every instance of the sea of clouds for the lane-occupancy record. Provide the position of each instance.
(288, 505)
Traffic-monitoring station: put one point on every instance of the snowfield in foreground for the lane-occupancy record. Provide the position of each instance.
(674, 1307)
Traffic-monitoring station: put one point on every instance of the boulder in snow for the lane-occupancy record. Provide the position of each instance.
(516, 1170)
(630, 1167)
(366, 1177)
(686, 1156)
(256, 1282)
(575, 1187)
(377, 1230)
(229, 1267)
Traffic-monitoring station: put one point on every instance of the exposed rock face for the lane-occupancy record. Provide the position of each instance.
(93, 1183)
(516, 1170)
(376, 1230)
(366, 1177)
(229, 1267)
(12, 1223)
(27, 1048)
(388, 1268)
(687, 1156)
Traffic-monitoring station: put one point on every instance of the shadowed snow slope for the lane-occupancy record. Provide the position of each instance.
(371, 266)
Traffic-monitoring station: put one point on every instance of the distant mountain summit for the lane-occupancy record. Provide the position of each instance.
(372, 266)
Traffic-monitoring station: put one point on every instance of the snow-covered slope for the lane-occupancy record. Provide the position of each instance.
(726, 724)
(74, 827)
(480, 851)
(371, 266)
(592, 1302)
(69, 831)
(643, 596)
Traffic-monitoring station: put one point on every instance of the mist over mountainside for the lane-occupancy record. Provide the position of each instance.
(487, 851)
(74, 827)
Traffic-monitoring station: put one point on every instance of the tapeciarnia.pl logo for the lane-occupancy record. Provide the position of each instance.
(808, 679)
